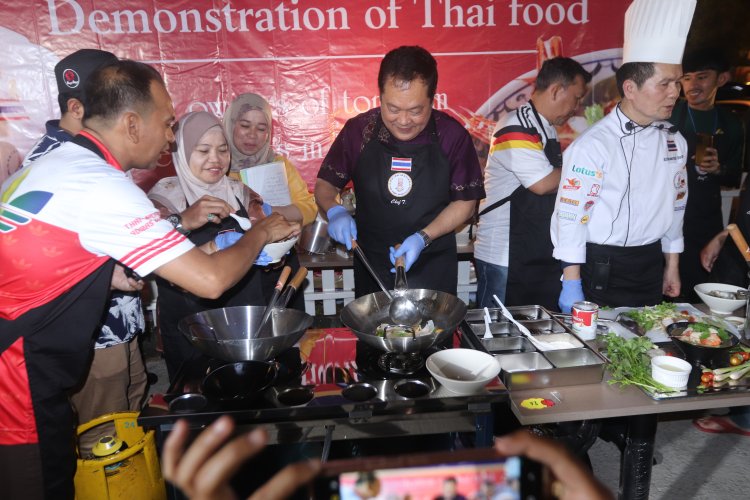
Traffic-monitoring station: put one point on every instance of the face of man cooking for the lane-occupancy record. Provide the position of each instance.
(405, 107)
(655, 99)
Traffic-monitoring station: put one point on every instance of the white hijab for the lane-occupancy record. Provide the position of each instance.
(177, 196)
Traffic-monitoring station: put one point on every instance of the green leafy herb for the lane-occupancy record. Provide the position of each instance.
(649, 317)
(630, 364)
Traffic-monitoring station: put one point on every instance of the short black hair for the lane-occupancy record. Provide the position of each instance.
(639, 72)
(408, 63)
(117, 87)
(708, 58)
(562, 70)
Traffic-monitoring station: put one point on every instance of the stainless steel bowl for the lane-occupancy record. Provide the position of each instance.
(231, 333)
(314, 238)
(365, 314)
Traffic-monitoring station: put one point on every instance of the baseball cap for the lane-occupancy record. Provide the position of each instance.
(73, 70)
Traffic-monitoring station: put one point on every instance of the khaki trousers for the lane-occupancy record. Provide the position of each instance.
(116, 382)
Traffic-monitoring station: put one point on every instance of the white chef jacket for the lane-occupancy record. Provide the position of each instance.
(621, 187)
(516, 158)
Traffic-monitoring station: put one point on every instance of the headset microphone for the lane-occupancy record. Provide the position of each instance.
(629, 126)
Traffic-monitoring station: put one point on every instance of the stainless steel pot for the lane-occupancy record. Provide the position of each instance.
(314, 238)
(365, 314)
(232, 333)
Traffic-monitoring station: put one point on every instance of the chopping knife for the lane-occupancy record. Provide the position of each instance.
(740, 241)
(276, 292)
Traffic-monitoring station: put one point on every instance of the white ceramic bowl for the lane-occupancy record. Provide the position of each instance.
(278, 249)
(463, 371)
(670, 371)
(717, 304)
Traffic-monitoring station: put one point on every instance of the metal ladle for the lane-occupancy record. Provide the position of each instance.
(402, 310)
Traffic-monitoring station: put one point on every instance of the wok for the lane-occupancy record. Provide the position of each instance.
(239, 383)
(712, 357)
(232, 333)
(366, 313)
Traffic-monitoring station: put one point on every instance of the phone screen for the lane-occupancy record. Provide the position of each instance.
(479, 477)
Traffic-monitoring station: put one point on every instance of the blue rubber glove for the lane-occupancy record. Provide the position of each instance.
(572, 292)
(341, 226)
(410, 249)
(226, 239)
(263, 259)
(267, 209)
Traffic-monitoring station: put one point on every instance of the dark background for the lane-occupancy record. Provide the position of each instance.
(724, 24)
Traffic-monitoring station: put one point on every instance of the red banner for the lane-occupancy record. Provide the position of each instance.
(316, 61)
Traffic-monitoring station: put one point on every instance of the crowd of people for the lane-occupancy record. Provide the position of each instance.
(554, 228)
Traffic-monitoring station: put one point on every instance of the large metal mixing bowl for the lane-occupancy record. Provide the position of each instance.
(231, 333)
(365, 314)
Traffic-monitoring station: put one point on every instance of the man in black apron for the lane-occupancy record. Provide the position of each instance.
(704, 71)
(521, 179)
(416, 177)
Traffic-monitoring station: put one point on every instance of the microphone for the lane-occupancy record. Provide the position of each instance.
(630, 126)
(671, 129)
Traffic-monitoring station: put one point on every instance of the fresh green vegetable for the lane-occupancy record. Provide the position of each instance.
(705, 330)
(649, 317)
(630, 364)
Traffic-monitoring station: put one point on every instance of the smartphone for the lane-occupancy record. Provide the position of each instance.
(471, 474)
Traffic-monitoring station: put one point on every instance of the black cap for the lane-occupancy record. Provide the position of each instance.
(72, 71)
(704, 59)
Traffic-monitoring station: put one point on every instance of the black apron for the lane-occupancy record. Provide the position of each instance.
(533, 274)
(175, 303)
(400, 189)
(703, 216)
(623, 276)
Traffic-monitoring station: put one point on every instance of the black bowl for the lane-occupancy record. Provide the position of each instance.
(239, 383)
(711, 357)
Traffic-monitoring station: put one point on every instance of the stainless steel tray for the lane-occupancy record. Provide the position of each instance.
(525, 367)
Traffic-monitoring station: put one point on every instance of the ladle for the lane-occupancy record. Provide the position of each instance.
(402, 310)
(358, 251)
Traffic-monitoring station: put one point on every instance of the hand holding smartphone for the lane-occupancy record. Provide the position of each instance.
(472, 473)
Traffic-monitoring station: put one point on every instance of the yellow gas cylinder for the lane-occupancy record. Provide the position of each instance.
(124, 465)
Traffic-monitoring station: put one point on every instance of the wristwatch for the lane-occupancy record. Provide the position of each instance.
(425, 238)
(176, 221)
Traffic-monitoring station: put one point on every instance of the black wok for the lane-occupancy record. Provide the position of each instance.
(237, 384)
(713, 357)
(366, 313)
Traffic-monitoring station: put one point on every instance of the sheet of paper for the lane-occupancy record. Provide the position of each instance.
(268, 180)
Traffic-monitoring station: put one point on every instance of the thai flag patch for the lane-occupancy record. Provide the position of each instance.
(401, 164)
(671, 146)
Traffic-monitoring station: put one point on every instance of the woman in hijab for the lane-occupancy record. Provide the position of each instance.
(198, 202)
(248, 123)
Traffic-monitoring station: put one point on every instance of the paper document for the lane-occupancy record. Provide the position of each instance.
(268, 180)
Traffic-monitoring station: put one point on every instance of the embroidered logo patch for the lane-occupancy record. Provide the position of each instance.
(399, 185)
(571, 184)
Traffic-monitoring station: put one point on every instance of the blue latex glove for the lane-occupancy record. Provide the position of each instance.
(410, 249)
(341, 226)
(226, 239)
(572, 292)
(267, 209)
(263, 259)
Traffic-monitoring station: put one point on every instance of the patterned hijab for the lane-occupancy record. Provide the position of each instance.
(188, 188)
(241, 105)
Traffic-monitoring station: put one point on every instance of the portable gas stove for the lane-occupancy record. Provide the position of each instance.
(332, 386)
